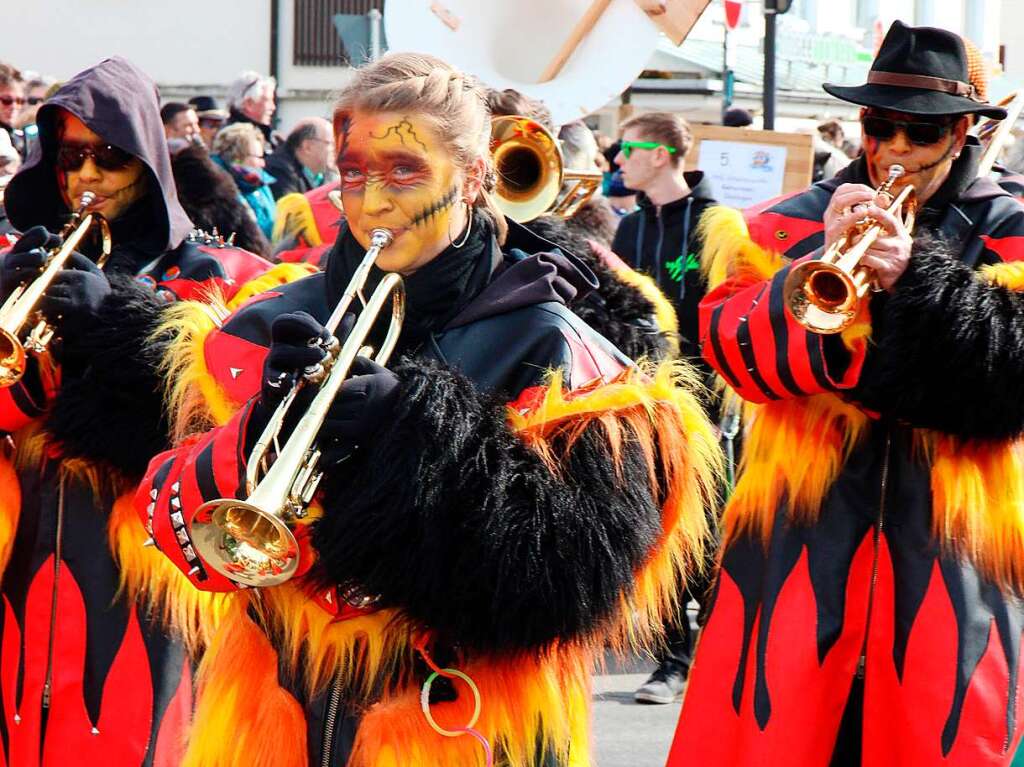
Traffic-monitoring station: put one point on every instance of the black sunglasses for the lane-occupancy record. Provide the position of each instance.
(34, 100)
(10, 100)
(918, 132)
(71, 157)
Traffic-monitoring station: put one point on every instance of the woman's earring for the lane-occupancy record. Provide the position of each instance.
(469, 227)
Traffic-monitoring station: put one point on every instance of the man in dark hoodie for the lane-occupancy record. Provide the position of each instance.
(89, 674)
(661, 239)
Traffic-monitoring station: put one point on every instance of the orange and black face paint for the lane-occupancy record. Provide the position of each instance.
(397, 174)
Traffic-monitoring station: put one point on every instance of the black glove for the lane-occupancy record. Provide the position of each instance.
(73, 299)
(362, 406)
(297, 342)
(25, 260)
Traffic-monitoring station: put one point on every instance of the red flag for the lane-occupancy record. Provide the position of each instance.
(732, 13)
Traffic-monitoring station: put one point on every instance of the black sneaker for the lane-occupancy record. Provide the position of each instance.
(665, 685)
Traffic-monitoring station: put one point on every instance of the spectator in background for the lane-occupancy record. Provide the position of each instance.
(211, 118)
(595, 219)
(180, 121)
(299, 164)
(620, 197)
(512, 102)
(12, 101)
(210, 198)
(36, 88)
(737, 117)
(239, 150)
(829, 159)
(251, 100)
(832, 132)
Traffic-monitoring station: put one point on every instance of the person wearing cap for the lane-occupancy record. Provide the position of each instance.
(867, 606)
(211, 118)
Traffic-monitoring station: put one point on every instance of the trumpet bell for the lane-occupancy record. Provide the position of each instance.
(244, 543)
(823, 298)
(528, 164)
(12, 359)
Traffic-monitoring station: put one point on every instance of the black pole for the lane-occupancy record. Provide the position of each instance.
(275, 11)
(725, 72)
(769, 67)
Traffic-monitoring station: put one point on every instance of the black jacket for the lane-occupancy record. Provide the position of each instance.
(663, 242)
(271, 136)
(287, 172)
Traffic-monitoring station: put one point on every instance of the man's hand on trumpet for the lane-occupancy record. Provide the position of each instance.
(889, 255)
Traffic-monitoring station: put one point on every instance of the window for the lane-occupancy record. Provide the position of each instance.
(316, 40)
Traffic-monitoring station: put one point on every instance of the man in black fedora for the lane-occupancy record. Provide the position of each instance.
(867, 609)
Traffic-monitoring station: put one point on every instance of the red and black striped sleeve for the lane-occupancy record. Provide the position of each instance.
(179, 481)
(750, 338)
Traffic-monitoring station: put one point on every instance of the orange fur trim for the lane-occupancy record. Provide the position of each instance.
(369, 650)
(664, 313)
(194, 397)
(528, 705)
(244, 718)
(978, 503)
(275, 277)
(793, 449)
(10, 508)
(729, 253)
(654, 407)
(1009, 274)
(148, 577)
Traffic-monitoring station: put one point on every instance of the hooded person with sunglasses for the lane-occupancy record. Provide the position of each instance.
(867, 608)
(88, 673)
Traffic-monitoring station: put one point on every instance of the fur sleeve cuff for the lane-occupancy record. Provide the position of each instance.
(949, 350)
(112, 410)
(498, 534)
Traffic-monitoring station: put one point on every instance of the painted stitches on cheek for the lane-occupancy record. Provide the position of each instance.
(436, 208)
(402, 130)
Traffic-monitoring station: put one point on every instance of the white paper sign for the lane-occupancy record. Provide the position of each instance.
(743, 174)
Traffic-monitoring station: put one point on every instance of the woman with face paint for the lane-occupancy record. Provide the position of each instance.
(499, 505)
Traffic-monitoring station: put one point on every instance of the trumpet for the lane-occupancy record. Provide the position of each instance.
(251, 541)
(531, 171)
(21, 305)
(824, 296)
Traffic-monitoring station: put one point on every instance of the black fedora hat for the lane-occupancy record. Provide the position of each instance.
(919, 71)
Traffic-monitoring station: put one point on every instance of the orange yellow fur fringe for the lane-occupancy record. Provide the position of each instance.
(664, 313)
(795, 449)
(653, 406)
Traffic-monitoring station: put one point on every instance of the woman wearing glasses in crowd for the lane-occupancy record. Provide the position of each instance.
(12, 102)
(504, 498)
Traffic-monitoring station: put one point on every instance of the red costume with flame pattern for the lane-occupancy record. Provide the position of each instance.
(867, 601)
